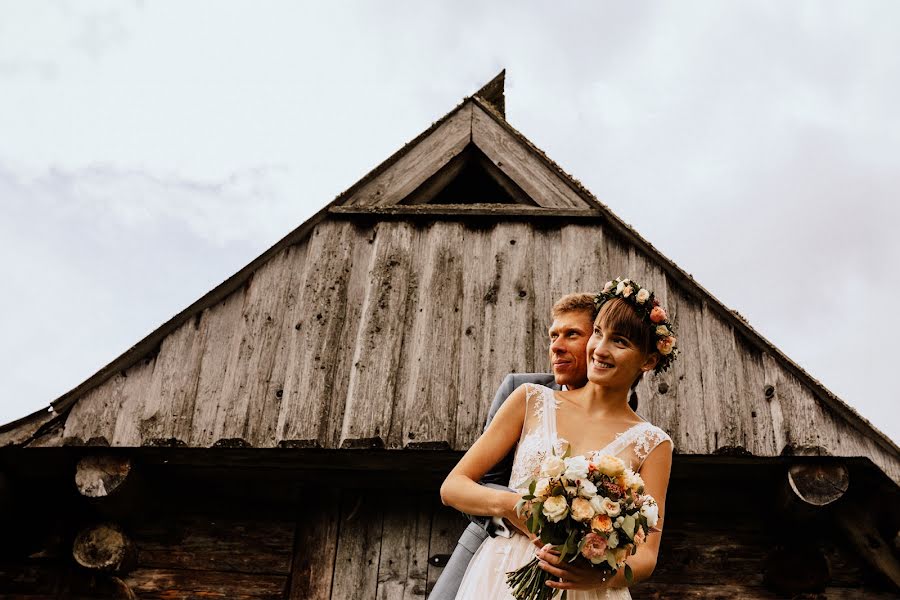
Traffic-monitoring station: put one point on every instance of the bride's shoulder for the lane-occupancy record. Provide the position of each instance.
(649, 436)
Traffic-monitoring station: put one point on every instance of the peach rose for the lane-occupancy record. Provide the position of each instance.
(665, 345)
(657, 315)
(582, 510)
(594, 548)
(628, 291)
(602, 523)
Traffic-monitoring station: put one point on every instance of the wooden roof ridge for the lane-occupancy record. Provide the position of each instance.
(44, 417)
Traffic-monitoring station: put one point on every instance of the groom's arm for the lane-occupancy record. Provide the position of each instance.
(498, 476)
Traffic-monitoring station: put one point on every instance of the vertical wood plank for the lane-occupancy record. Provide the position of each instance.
(127, 430)
(359, 547)
(429, 366)
(403, 564)
(447, 524)
(94, 415)
(220, 356)
(168, 408)
(373, 375)
(507, 341)
(262, 420)
(313, 566)
(320, 317)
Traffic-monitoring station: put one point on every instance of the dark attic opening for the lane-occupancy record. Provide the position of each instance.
(469, 178)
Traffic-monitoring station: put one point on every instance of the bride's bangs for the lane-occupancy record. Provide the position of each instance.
(618, 315)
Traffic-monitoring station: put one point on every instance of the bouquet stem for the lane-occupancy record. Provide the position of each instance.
(528, 582)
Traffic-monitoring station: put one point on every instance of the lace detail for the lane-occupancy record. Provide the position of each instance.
(544, 399)
(530, 454)
(647, 439)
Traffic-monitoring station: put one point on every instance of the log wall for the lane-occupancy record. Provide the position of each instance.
(396, 334)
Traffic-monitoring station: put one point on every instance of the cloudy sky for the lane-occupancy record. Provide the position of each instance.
(149, 151)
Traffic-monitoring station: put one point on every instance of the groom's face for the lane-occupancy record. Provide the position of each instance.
(569, 334)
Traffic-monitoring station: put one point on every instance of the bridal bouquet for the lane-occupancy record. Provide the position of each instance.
(594, 508)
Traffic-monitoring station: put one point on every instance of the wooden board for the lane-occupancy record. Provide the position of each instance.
(359, 547)
(313, 566)
(379, 344)
(519, 163)
(428, 375)
(416, 165)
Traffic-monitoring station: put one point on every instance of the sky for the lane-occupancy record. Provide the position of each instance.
(150, 150)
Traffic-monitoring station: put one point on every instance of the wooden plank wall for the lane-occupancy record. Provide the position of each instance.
(397, 334)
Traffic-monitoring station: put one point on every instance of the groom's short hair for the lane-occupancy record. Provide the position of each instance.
(575, 302)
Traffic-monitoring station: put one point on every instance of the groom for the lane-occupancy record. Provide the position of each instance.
(573, 322)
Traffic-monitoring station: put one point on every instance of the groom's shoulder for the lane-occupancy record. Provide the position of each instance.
(514, 380)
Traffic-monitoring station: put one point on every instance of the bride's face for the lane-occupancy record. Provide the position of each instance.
(614, 360)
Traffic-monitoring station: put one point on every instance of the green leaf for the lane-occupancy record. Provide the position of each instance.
(532, 487)
(628, 526)
(629, 576)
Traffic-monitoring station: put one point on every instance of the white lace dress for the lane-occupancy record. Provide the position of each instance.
(485, 577)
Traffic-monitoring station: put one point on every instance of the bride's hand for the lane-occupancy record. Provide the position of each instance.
(573, 576)
(518, 522)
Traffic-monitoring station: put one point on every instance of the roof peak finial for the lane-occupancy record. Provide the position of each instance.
(493, 93)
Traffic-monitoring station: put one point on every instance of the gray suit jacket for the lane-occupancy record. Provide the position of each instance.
(478, 530)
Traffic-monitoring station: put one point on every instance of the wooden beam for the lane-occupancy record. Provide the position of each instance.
(866, 540)
(422, 161)
(465, 210)
(519, 163)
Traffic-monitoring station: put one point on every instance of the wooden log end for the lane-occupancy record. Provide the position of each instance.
(99, 475)
(103, 547)
(818, 484)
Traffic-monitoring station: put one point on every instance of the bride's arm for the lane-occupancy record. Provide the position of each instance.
(461, 490)
(655, 473)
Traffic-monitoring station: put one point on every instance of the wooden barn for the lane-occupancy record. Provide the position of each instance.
(284, 437)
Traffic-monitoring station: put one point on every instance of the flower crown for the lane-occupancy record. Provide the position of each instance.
(647, 306)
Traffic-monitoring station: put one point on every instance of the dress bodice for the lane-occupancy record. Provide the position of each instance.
(539, 438)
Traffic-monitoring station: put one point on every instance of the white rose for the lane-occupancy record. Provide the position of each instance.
(555, 508)
(597, 504)
(607, 287)
(651, 511)
(633, 480)
(662, 330)
(576, 467)
(610, 465)
(582, 510)
(613, 540)
(610, 507)
(620, 287)
(542, 488)
(642, 296)
(587, 488)
(627, 291)
(553, 466)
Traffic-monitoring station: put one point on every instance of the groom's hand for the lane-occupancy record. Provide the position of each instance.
(573, 576)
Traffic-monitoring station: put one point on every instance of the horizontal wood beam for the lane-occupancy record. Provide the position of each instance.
(466, 210)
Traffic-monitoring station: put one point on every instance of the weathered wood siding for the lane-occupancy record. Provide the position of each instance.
(397, 333)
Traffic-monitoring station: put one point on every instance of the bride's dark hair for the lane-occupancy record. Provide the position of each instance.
(619, 315)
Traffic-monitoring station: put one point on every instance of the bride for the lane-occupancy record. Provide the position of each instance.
(631, 336)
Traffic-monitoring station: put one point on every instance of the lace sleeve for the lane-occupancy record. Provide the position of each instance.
(650, 438)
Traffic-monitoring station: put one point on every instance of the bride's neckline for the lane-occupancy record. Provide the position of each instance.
(557, 400)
